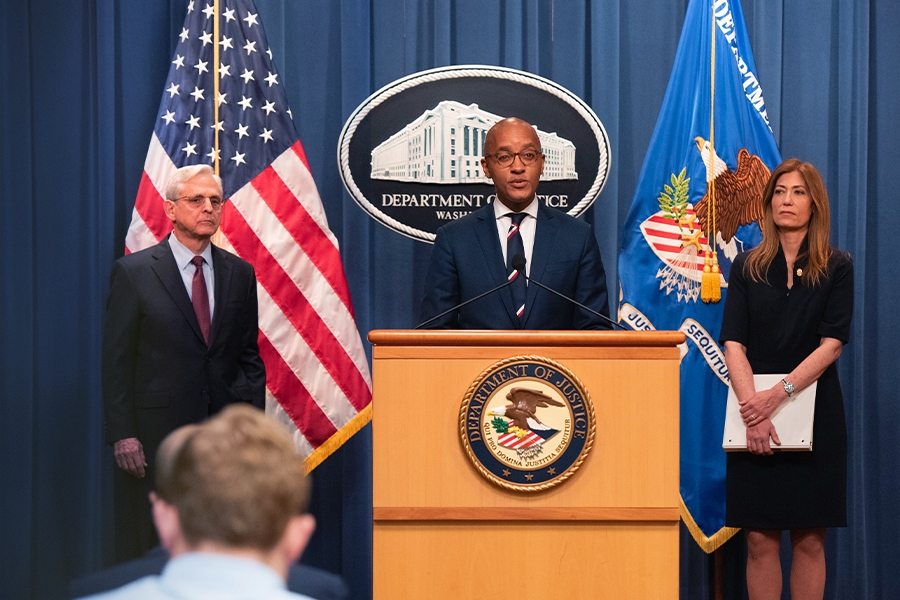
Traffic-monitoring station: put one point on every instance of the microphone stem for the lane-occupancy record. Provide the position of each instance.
(458, 306)
(575, 302)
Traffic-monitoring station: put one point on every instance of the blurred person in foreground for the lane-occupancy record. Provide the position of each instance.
(788, 311)
(230, 508)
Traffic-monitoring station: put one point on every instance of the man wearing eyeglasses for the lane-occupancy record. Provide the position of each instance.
(478, 252)
(179, 342)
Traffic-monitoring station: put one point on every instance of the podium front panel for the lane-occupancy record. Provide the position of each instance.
(613, 523)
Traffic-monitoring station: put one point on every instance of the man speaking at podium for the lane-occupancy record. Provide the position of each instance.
(490, 248)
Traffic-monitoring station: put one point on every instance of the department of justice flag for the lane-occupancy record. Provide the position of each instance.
(317, 376)
(666, 233)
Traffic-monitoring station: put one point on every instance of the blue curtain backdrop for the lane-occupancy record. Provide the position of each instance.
(81, 82)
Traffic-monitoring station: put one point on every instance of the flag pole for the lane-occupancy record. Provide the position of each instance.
(215, 75)
(710, 291)
(217, 236)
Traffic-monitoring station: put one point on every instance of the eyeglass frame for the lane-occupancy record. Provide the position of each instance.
(537, 155)
(198, 201)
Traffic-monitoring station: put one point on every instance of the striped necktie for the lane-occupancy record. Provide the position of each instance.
(515, 246)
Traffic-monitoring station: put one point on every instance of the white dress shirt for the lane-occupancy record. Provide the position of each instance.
(526, 229)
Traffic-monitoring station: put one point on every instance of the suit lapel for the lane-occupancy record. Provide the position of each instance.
(222, 270)
(166, 269)
(544, 243)
(486, 231)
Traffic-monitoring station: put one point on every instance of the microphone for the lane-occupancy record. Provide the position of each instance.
(518, 263)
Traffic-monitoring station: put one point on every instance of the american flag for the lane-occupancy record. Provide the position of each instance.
(318, 380)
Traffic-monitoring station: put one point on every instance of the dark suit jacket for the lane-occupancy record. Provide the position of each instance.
(302, 579)
(158, 373)
(467, 260)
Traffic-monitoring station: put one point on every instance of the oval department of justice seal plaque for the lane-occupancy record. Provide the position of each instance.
(410, 154)
(527, 423)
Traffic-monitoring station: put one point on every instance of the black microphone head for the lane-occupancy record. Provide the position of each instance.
(518, 262)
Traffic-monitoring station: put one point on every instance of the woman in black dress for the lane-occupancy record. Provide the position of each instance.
(788, 310)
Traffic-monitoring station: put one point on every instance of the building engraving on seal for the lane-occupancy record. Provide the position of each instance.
(444, 145)
(527, 423)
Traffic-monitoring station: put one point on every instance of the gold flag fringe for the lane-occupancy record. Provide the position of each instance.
(707, 544)
(337, 440)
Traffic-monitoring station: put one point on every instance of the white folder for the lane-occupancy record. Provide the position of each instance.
(793, 420)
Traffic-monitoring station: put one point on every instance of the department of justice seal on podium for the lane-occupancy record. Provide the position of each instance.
(527, 423)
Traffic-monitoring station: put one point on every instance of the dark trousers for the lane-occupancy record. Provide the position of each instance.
(135, 532)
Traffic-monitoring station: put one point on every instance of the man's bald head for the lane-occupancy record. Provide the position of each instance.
(509, 124)
(514, 162)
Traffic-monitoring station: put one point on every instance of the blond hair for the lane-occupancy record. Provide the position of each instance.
(236, 480)
(819, 250)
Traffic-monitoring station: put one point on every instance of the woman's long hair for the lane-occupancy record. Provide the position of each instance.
(819, 250)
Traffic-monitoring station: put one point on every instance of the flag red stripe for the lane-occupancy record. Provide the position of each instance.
(293, 396)
(672, 235)
(668, 248)
(297, 309)
(304, 230)
(149, 205)
(657, 218)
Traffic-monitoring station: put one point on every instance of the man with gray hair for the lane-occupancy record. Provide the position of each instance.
(179, 343)
(230, 507)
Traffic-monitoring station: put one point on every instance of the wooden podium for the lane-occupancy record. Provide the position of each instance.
(443, 530)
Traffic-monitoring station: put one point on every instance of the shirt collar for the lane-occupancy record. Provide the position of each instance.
(183, 255)
(501, 210)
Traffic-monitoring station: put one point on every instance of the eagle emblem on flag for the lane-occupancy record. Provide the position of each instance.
(676, 233)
